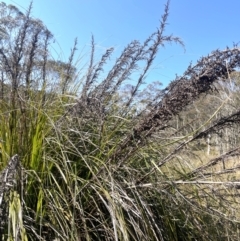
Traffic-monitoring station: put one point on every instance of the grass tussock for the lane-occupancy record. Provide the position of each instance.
(101, 160)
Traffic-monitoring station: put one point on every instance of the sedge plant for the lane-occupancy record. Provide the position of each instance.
(100, 161)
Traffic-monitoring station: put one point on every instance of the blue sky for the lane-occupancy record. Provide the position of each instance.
(203, 25)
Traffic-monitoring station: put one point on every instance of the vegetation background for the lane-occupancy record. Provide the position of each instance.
(87, 156)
